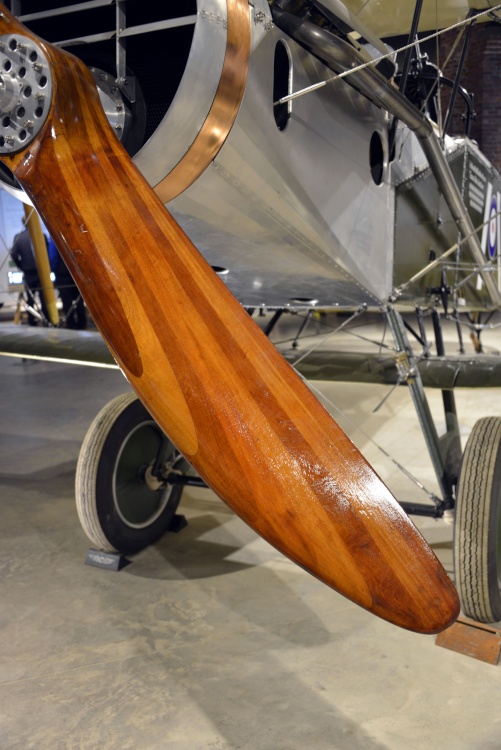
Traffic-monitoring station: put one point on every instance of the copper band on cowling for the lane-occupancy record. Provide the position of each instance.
(224, 109)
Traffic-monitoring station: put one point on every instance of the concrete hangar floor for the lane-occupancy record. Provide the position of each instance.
(209, 639)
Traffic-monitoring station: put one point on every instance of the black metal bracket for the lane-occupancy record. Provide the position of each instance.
(185, 480)
(420, 509)
(457, 79)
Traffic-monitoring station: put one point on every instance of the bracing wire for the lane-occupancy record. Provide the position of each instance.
(431, 495)
(376, 60)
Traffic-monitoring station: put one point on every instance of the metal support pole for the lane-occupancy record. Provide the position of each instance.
(457, 79)
(42, 263)
(459, 331)
(125, 83)
(405, 71)
(273, 322)
(303, 326)
(421, 404)
(410, 51)
(451, 442)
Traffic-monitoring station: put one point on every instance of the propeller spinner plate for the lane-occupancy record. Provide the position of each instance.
(25, 92)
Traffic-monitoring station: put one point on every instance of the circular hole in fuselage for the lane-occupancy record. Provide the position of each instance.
(376, 158)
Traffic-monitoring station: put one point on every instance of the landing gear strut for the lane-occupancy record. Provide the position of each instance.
(471, 485)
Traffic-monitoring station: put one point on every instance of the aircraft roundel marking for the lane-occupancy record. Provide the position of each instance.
(492, 237)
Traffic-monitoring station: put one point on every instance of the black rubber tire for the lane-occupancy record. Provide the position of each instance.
(116, 508)
(477, 543)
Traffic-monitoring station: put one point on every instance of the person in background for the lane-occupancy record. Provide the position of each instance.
(73, 304)
(23, 256)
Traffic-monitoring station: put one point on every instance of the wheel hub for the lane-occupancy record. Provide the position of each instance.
(151, 481)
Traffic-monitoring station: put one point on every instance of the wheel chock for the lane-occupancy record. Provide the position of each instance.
(106, 560)
(476, 639)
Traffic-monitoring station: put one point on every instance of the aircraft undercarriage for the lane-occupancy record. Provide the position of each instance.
(130, 477)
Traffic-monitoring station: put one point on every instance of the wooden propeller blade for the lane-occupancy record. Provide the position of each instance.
(211, 379)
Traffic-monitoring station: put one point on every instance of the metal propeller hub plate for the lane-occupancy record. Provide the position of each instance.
(112, 101)
(25, 92)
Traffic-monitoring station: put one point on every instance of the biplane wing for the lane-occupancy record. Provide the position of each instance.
(387, 19)
(89, 349)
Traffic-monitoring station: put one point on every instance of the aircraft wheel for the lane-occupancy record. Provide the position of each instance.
(477, 539)
(120, 505)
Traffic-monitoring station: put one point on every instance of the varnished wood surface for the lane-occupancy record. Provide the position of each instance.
(211, 379)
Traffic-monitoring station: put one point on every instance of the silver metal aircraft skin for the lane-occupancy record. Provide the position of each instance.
(290, 215)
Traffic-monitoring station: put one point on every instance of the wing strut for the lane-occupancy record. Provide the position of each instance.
(223, 394)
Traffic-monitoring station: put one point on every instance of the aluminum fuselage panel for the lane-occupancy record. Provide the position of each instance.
(292, 214)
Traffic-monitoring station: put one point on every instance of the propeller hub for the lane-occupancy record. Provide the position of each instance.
(25, 92)
(114, 105)
(9, 94)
